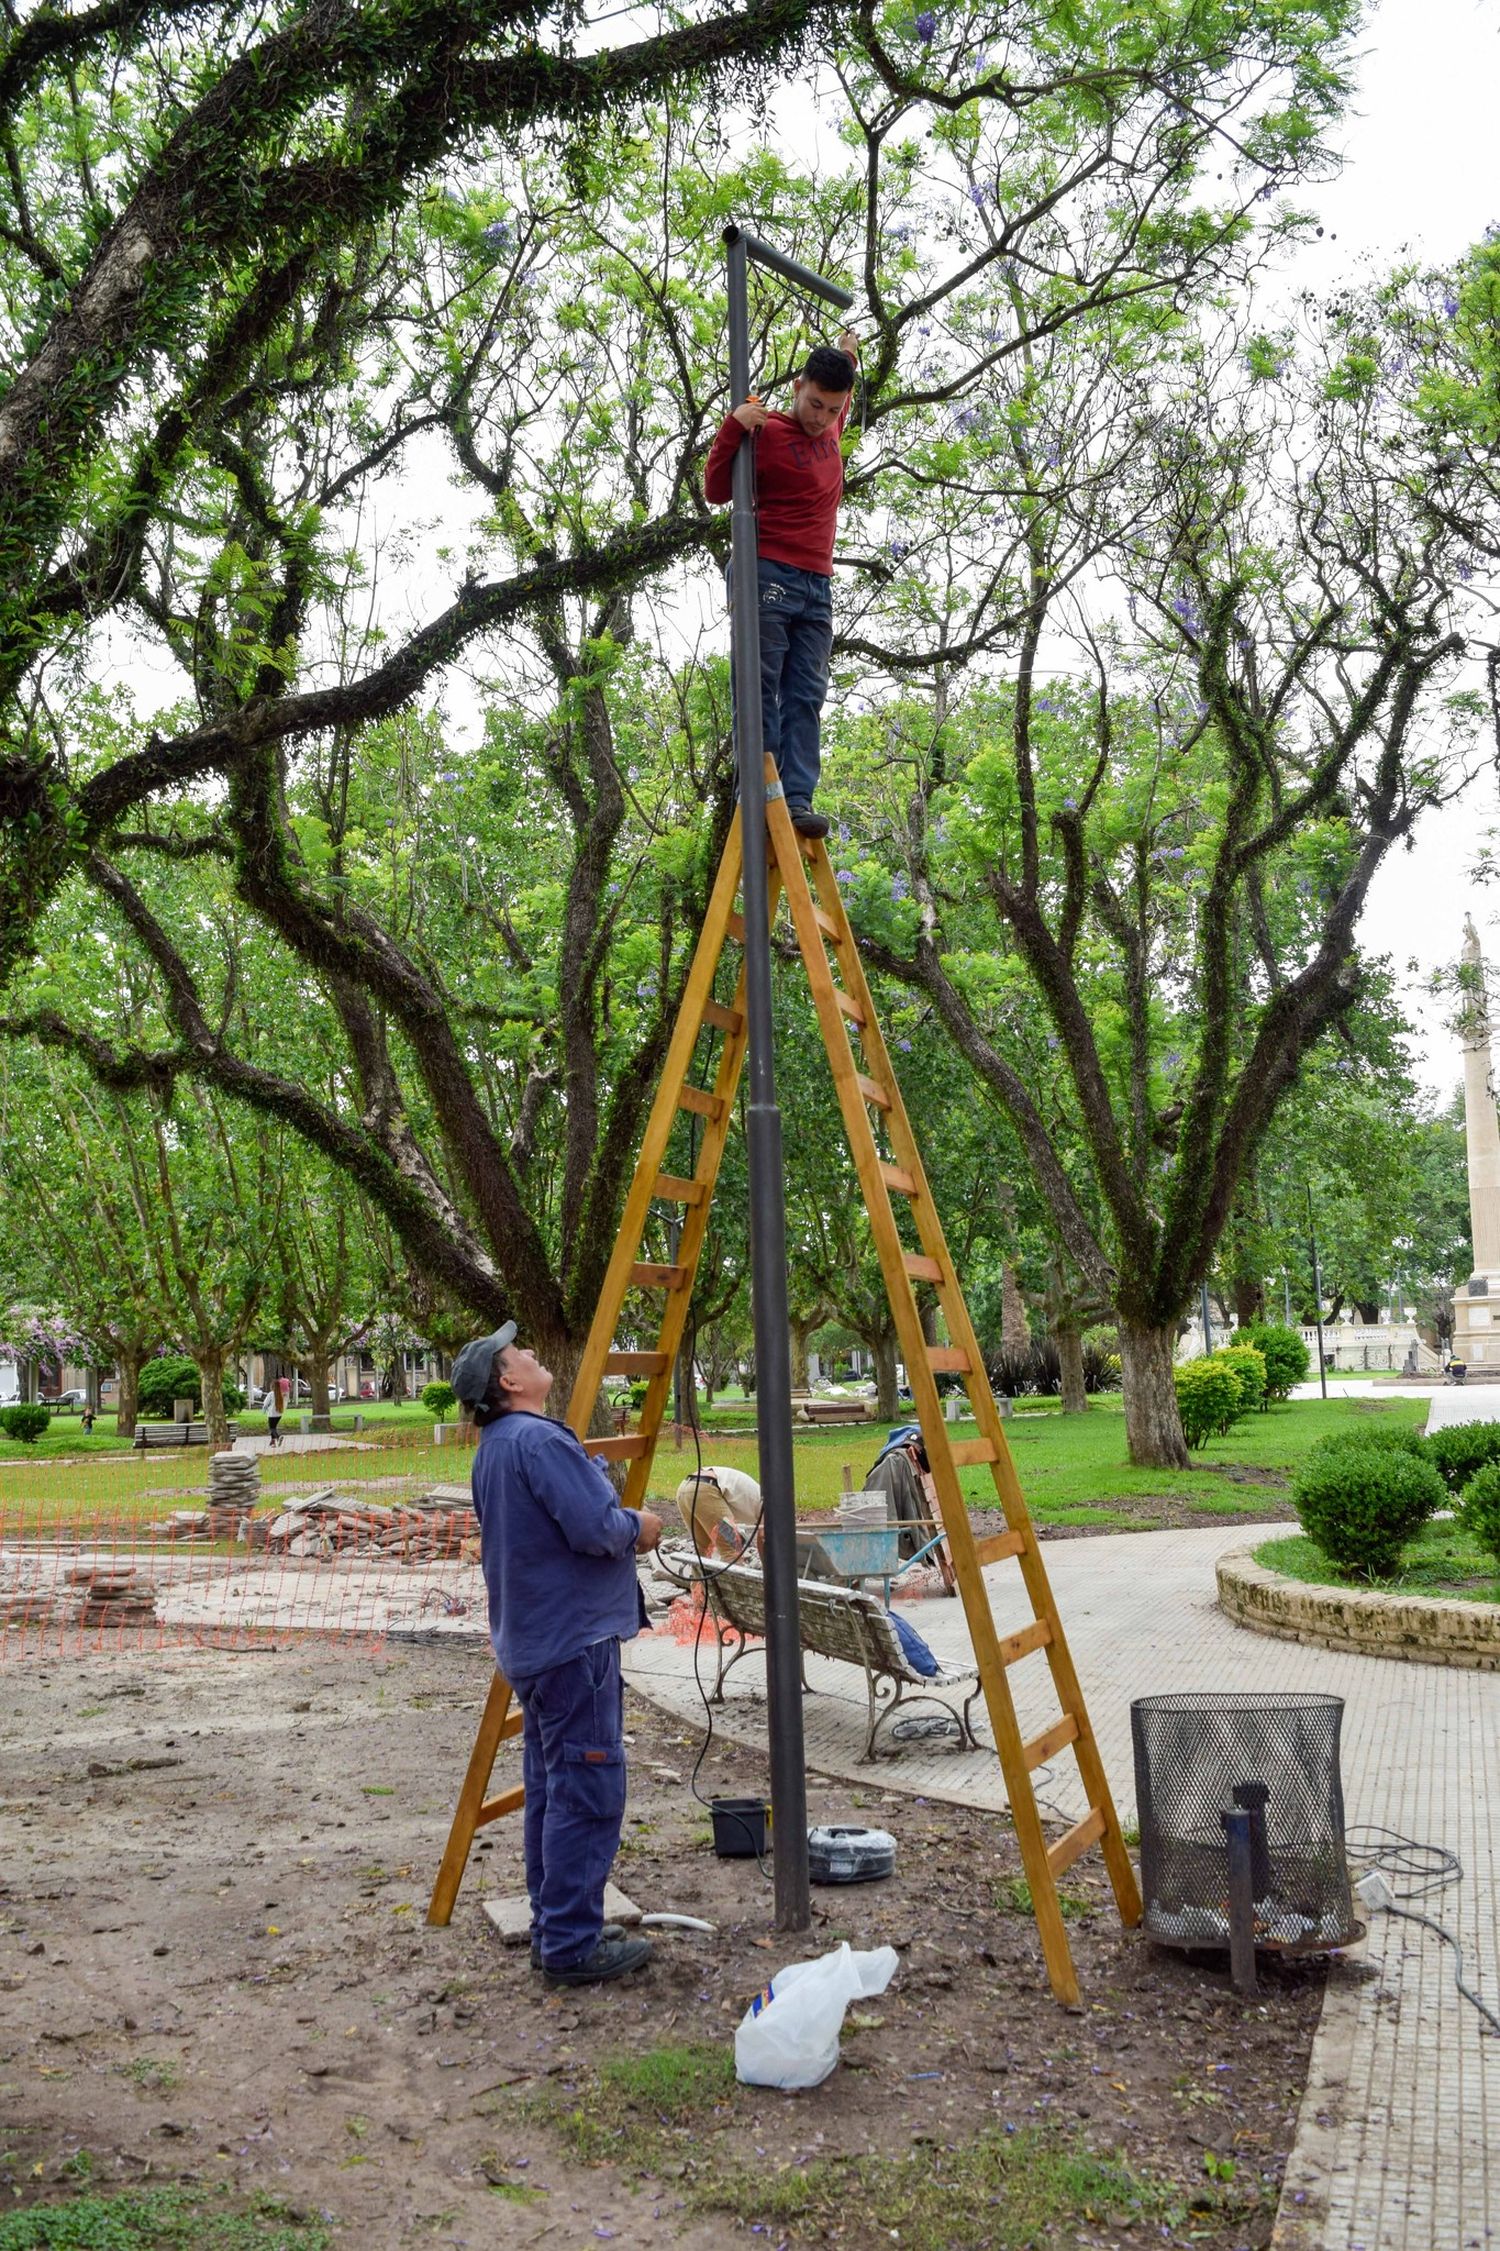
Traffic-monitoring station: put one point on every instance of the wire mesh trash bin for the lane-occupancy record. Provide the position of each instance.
(1241, 1810)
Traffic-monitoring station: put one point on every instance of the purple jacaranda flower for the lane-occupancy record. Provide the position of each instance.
(899, 887)
(905, 1046)
(1450, 308)
(976, 195)
(843, 832)
(926, 27)
(900, 549)
(497, 232)
(1070, 805)
(845, 875)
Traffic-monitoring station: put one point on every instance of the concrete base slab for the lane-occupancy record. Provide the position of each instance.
(511, 1915)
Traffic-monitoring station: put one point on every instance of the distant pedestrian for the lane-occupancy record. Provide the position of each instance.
(273, 1414)
(86, 1421)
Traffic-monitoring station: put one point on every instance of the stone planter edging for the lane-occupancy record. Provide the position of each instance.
(1421, 1629)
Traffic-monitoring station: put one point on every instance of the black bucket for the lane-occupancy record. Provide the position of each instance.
(740, 1826)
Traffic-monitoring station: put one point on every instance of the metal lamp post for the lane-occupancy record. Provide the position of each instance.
(768, 1284)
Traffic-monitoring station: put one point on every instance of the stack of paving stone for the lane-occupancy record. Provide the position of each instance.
(233, 1490)
(432, 1529)
(112, 1594)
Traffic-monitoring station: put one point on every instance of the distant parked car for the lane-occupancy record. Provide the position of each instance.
(69, 1399)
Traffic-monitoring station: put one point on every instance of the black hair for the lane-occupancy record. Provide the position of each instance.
(829, 368)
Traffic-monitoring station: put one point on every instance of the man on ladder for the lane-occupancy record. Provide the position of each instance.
(799, 481)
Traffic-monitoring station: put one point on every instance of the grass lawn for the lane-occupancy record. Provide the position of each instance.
(1441, 1560)
(1073, 1468)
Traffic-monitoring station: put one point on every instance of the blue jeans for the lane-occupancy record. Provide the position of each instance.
(796, 641)
(573, 1767)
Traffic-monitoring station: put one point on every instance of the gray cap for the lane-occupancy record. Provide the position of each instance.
(471, 1370)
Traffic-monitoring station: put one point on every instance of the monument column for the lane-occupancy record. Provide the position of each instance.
(1476, 1304)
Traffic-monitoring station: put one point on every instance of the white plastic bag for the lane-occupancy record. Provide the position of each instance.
(789, 2036)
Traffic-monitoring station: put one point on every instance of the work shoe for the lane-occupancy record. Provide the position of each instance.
(610, 1930)
(611, 1958)
(806, 822)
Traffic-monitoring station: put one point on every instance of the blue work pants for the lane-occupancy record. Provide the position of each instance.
(573, 1767)
(796, 642)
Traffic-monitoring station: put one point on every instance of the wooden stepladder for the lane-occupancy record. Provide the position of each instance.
(889, 1166)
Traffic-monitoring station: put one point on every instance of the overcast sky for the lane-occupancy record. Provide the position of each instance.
(1421, 171)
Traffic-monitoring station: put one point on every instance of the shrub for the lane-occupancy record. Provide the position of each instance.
(1463, 1448)
(162, 1381)
(1479, 1510)
(1361, 1503)
(437, 1398)
(1286, 1356)
(26, 1420)
(1249, 1365)
(1208, 1397)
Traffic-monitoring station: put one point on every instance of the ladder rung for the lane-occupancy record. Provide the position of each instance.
(698, 1098)
(921, 1268)
(637, 1363)
(647, 1277)
(947, 1360)
(873, 1092)
(1013, 1647)
(850, 1008)
(1047, 1745)
(507, 1800)
(894, 1177)
(826, 924)
(973, 1450)
(1076, 1840)
(999, 1546)
(618, 1449)
(673, 1190)
(723, 1019)
(736, 928)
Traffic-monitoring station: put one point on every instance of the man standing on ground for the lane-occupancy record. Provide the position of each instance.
(558, 1554)
(799, 481)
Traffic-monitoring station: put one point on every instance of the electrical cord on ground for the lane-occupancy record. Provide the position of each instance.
(1427, 1869)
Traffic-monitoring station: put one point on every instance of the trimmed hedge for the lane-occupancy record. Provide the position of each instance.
(1362, 1502)
(1463, 1448)
(26, 1420)
(1286, 1356)
(1209, 1392)
(162, 1381)
(1479, 1510)
(1249, 1365)
(437, 1398)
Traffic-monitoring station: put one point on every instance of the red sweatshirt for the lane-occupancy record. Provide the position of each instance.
(799, 482)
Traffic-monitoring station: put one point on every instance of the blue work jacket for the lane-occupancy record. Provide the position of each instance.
(557, 1549)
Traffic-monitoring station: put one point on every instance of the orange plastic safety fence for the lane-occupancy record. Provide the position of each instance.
(353, 1535)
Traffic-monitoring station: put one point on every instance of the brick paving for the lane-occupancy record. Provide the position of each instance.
(1398, 2148)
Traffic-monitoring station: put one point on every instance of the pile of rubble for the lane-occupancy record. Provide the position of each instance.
(438, 1527)
(88, 1593)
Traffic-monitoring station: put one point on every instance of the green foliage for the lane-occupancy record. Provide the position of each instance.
(1286, 1357)
(1459, 1449)
(26, 1420)
(437, 1398)
(1249, 1365)
(635, 1393)
(1208, 1398)
(1363, 1502)
(177, 1377)
(164, 2219)
(1479, 1510)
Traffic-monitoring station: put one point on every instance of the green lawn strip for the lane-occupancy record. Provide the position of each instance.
(164, 2219)
(1442, 1560)
(1002, 2191)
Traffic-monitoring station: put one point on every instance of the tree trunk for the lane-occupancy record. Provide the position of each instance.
(315, 1368)
(1153, 1427)
(1249, 1301)
(128, 1366)
(1075, 1398)
(395, 1376)
(883, 1347)
(210, 1367)
(1015, 1329)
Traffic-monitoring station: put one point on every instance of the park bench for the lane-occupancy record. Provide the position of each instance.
(843, 1623)
(175, 1434)
(831, 1410)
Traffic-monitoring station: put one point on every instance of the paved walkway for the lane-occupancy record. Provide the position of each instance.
(1399, 2145)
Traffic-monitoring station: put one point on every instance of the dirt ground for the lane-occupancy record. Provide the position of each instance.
(214, 1967)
